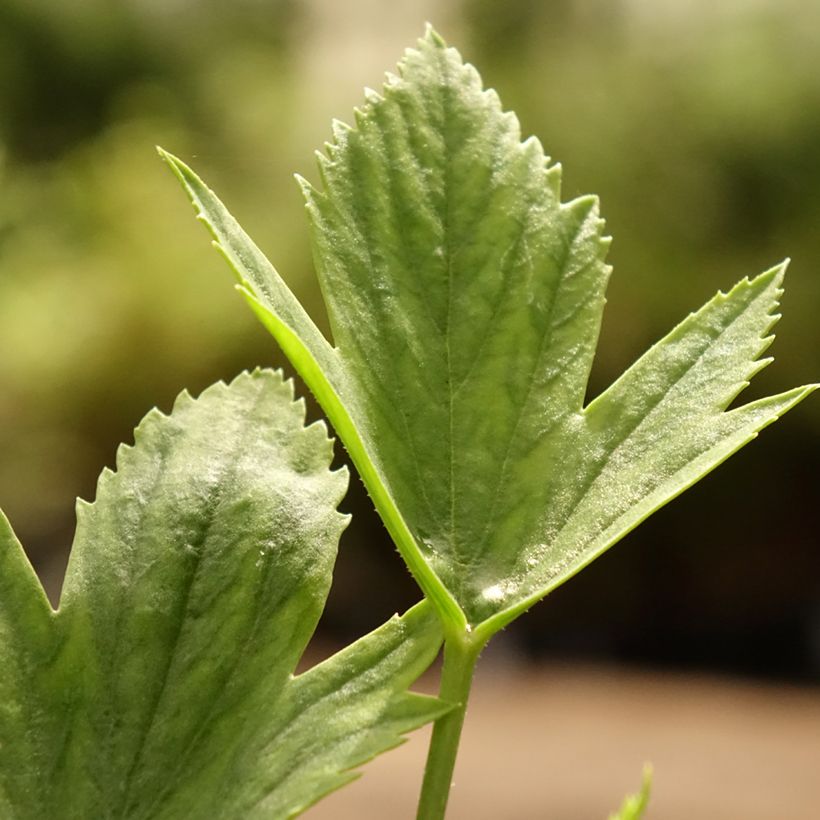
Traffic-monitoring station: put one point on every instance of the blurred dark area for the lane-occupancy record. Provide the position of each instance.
(698, 124)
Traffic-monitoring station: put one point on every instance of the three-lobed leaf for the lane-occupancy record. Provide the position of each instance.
(163, 686)
(465, 301)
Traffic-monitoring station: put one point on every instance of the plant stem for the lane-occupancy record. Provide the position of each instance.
(460, 657)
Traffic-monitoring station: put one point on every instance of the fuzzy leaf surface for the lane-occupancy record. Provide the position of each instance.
(465, 300)
(163, 687)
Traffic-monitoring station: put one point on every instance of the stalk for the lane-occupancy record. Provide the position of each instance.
(460, 658)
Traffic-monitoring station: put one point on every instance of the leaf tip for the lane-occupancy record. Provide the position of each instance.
(177, 166)
(167, 157)
(184, 397)
(432, 37)
(340, 130)
(308, 191)
(807, 390)
(773, 276)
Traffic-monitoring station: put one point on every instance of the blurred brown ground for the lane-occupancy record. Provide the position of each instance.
(568, 742)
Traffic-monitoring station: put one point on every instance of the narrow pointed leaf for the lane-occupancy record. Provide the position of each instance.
(254, 271)
(163, 687)
(465, 301)
(317, 363)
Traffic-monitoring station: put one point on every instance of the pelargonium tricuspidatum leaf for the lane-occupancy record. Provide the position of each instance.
(465, 299)
(163, 686)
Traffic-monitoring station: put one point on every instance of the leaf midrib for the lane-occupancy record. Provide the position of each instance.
(558, 419)
(448, 259)
(214, 496)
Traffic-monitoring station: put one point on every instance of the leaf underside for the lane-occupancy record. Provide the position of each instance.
(163, 685)
(465, 300)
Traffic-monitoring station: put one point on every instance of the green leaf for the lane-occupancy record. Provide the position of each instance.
(465, 300)
(635, 805)
(163, 687)
(319, 365)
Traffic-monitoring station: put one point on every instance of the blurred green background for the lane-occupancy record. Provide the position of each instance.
(698, 123)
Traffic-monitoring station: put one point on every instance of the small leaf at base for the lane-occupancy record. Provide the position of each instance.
(635, 805)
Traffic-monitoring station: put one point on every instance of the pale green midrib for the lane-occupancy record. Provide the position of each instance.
(393, 199)
(448, 258)
(207, 521)
(402, 414)
(190, 581)
(220, 219)
(217, 704)
(327, 385)
(451, 614)
(464, 557)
